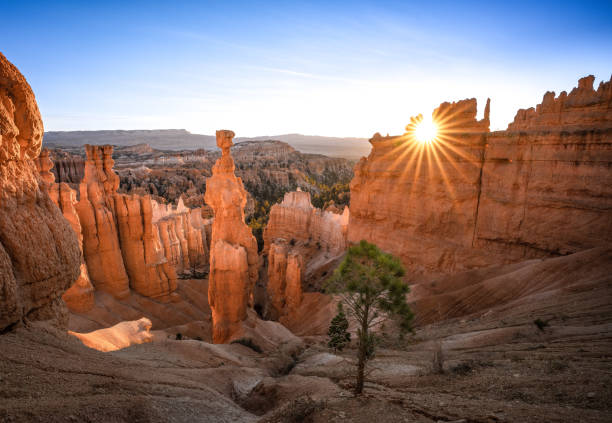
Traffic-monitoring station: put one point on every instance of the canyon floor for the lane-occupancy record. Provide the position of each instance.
(499, 366)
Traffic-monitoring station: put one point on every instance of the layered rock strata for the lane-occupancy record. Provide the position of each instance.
(39, 251)
(234, 261)
(299, 240)
(129, 242)
(297, 219)
(96, 208)
(150, 244)
(80, 296)
(473, 198)
(547, 182)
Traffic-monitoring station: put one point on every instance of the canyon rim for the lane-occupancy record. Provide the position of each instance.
(154, 275)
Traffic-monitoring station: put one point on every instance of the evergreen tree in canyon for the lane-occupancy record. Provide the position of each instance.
(369, 283)
(338, 333)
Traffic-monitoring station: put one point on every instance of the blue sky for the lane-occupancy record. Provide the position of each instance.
(325, 68)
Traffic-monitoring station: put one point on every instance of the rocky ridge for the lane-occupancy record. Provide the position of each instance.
(476, 198)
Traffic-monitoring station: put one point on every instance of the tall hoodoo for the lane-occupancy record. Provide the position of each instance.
(80, 296)
(39, 251)
(234, 260)
(96, 212)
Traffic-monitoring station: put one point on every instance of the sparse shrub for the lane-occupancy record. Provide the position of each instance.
(179, 336)
(318, 245)
(198, 338)
(292, 242)
(461, 369)
(300, 410)
(437, 360)
(286, 367)
(338, 333)
(555, 366)
(248, 342)
(541, 324)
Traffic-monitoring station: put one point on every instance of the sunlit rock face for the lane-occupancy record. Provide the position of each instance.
(39, 251)
(234, 261)
(119, 336)
(297, 219)
(100, 236)
(474, 198)
(129, 242)
(301, 241)
(546, 182)
(150, 272)
(80, 296)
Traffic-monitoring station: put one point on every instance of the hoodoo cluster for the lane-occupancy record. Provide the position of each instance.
(474, 198)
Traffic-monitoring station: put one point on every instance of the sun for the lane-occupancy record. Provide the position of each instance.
(426, 131)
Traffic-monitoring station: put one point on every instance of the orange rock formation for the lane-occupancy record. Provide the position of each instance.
(80, 296)
(285, 273)
(296, 218)
(133, 242)
(298, 236)
(39, 251)
(474, 198)
(234, 261)
(119, 336)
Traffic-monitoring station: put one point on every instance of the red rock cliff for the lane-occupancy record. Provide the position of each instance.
(39, 251)
(474, 198)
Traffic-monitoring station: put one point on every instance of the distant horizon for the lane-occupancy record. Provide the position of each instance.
(479, 116)
(336, 68)
(208, 135)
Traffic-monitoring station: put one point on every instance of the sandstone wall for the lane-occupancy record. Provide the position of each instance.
(96, 208)
(301, 243)
(39, 251)
(475, 198)
(547, 180)
(296, 218)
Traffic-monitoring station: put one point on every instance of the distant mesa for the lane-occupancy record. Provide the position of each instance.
(181, 139)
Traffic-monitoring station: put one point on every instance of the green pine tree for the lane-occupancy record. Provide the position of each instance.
(338, 333)
(369, 283)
